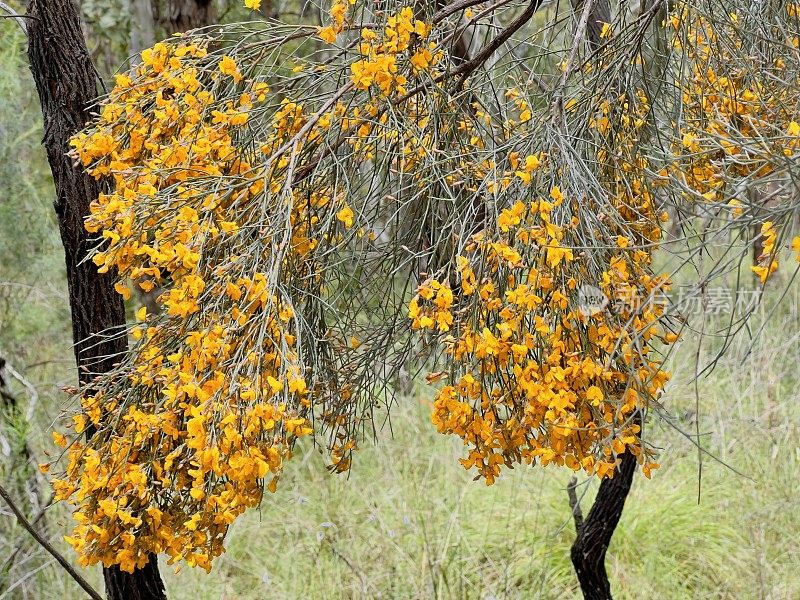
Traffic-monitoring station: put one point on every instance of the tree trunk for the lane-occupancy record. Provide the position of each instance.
(594, 535)
(66, 82)
(190, 14)
(143, 584)
(599, 14)
(143, 26)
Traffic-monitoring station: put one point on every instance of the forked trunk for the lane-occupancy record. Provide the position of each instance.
(594, 534)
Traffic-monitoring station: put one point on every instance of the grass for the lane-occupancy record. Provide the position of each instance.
(410, 523)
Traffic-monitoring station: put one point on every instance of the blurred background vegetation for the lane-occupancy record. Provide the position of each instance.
(412, 524)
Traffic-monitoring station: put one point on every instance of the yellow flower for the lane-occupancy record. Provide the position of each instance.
(345, 215)
(327, 34)
(765, 271)
(252, 4)
(594, 395)
(228, 67)
(421, 59)
(123, 290)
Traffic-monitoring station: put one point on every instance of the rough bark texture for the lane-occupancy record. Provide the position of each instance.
(143, 584)
(594, 535)
(6, 396)
(190, 14)
(66, 82)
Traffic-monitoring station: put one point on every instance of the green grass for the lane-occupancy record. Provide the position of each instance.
(410, 523)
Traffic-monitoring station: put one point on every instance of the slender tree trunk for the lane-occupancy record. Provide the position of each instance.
(594, 533)
(66, 82)
(143, 26)
(190, 14)
(142, 584)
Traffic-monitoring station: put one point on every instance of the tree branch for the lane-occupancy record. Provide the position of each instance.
(20, 19)
(47, 546)
(575, 504)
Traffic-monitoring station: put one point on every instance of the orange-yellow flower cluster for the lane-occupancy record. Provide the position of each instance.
(536, 374)
(536, 377)
(379, 67)
(183, 441)
(739, 118)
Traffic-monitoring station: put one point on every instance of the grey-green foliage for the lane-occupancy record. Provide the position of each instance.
(34, 321)
(30, 264)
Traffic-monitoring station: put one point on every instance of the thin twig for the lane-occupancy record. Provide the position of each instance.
(466, 69)
(575, 504)
(20, 19)
(9, 562)
(32, 393)
(444, 12)
(47, 546)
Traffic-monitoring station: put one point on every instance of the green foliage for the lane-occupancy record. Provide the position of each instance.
(30, 264)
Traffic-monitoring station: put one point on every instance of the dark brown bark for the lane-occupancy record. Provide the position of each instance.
(190, 14)
(144, 584)
(599, 13)
(66, 82)
(6, 396)
(594, 534)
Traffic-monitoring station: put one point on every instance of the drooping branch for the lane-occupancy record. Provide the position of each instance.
(66, 83)
(47, 546)
(11, 14)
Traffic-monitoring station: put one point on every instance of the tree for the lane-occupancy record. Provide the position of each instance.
(315, 217)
